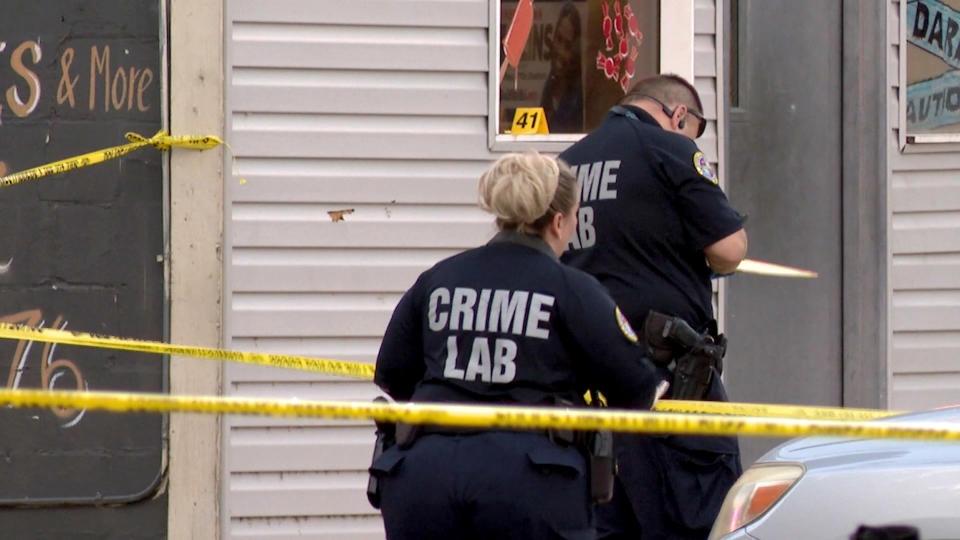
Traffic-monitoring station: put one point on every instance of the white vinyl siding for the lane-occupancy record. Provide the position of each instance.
(925, 258)
(705, 66)
(373, 107)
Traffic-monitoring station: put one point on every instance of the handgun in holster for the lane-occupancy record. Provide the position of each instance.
(691, 357)
(386, 437)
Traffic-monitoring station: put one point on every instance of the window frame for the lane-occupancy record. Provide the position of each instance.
(931, 141)
(676, 56)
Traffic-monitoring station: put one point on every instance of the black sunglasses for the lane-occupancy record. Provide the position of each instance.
(668, 112)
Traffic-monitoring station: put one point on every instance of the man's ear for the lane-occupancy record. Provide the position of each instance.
(682, 109)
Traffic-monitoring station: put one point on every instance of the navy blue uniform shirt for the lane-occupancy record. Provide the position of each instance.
(649, 206)
(507, 323)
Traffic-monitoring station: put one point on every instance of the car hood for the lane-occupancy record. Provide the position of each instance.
(815, 452)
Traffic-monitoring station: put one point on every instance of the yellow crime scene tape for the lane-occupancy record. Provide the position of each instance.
(161, 140)
(708, 418)
(772, 410)
(481, 416)
(365, 371)
(65, 337)
(763, 268)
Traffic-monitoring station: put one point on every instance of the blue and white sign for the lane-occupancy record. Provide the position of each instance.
(935, 28)
(934, 102)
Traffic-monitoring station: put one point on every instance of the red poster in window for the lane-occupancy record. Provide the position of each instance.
(576, 59)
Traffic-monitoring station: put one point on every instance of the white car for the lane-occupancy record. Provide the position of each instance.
(826, 487)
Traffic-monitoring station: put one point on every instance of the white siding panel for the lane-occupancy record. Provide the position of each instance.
(707, 88)
(309, 528)
(347, 136)
(348, 235)
(304, 422)
(893, 28)
(924, 238)
(893, 109)
(704, 17)
(330, 278)
(928, 352)
(370, 181)
(300, 449)
(925, 318)
(925, 158)
(414, 92)
(344, 321)
(924, 191)
(299, 494)
(704, 57)
(340, 390)
(364, 47)
(927, 198)
(444, 13)
(926, 272)
(917, 391)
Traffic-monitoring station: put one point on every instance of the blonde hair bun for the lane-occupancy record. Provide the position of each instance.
(518, 188)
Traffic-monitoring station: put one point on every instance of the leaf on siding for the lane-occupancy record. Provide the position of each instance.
(337, 215)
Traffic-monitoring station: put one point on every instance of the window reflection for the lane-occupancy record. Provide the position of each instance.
(574, 58)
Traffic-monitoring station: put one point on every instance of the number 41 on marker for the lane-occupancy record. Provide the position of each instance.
(528, 121)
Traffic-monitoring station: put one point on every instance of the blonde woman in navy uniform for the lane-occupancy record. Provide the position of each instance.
(504, 323)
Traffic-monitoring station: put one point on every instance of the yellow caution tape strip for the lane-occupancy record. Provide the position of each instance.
(484, 416)
(365, 371)
(161, 140)
(50, 335)
(767, 409)
(763, 268)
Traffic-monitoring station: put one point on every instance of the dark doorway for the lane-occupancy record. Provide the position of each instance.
(784, 171)
(807, 140)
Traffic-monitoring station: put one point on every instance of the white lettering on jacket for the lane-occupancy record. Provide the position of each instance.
(492, 358)
(498, 311)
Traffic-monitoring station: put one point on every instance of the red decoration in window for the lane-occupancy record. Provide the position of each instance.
(620, 65)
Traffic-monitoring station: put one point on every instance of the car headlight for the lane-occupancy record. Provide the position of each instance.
(759, 488)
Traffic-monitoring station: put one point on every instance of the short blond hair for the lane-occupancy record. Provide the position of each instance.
(524, 191)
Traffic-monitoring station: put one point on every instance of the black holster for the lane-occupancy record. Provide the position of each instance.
(386, 437)
(691, 357)
(601, 459)
(603, 465)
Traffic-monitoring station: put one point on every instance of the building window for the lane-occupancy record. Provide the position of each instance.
(733, 45)
(573, 58)
(932, 44)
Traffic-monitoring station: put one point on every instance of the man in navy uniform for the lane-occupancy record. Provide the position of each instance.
(654, 227)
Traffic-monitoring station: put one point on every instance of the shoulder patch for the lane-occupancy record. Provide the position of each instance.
(625, 326)
(703, 167)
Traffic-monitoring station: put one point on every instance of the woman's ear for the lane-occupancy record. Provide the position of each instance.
(556, 224)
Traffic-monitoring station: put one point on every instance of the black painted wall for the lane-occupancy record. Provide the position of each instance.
(79, 251)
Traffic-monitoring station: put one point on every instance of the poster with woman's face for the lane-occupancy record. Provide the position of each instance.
(574, 58)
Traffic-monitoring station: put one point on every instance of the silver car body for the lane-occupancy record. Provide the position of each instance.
(853, 482)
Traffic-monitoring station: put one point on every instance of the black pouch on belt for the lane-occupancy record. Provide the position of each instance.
(603, 465)
(386, 437)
